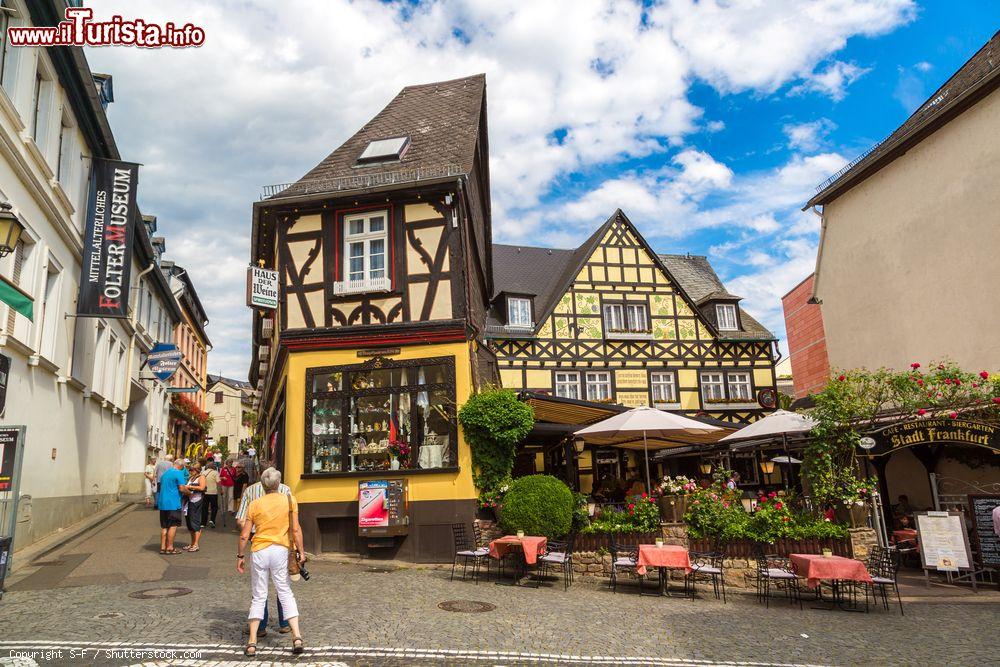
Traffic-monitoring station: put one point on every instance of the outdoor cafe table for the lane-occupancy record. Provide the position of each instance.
(530, 546)
(664, 557)
(814, 568)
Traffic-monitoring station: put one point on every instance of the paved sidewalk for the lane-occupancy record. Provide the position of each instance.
(363, 614)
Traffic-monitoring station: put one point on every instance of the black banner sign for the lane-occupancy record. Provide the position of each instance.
(107, 244)
(935, 432)
(8, 456)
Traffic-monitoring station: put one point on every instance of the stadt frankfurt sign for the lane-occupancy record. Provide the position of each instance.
(935, 432)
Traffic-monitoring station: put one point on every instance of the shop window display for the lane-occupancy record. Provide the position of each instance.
(381, 415)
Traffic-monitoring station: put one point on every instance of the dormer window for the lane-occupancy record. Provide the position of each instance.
(384, 150)
(725, 314)
(519, 312)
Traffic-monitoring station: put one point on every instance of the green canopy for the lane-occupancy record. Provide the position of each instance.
(17, 299)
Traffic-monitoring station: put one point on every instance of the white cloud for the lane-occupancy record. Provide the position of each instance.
(751, 45)
(275, 89)
(810, 136)
(833, 81)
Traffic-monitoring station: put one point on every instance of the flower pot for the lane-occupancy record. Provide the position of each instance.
(672, 508)
(853, 515)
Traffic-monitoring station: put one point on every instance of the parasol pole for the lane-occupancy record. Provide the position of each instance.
(645, 450)
(788, 459)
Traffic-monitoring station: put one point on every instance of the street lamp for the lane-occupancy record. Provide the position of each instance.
(10, 229)
(578, 444)
(766, 466)
(705, 467)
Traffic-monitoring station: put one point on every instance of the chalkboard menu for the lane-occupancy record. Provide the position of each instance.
(981, 507)
(382, 508)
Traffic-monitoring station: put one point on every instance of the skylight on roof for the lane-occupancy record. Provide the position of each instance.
(382, 150)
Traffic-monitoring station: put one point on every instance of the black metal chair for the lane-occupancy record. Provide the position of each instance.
(467, 550)
(883, 566)
(558, 556)
(708, 565)
(623, 558)
(772, 570)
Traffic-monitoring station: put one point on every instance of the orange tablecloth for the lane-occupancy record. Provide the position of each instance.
(816, 567)
(532, 547)
(669, 555)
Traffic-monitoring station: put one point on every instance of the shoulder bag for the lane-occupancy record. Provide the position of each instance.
(293, 554)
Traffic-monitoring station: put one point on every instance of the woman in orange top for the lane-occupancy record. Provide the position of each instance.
(269, 516)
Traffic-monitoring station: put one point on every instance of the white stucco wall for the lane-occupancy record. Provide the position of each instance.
(909, 269)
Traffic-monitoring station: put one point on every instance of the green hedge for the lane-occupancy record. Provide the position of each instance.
(538, 505)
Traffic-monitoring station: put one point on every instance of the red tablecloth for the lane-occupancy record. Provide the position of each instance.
(904, 534)
(669, 555)
(816, 567)
(532, 546)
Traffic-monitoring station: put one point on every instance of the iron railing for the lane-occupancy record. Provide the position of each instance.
(361, 181)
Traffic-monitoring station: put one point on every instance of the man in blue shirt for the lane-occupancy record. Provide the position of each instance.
(172, 485)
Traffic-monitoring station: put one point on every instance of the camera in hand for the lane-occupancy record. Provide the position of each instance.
(304, 572)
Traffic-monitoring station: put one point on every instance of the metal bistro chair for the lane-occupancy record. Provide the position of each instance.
(776, 571)
(623, 558)
(558, 556)
(708, 565)
(883, 566)
(468, 550)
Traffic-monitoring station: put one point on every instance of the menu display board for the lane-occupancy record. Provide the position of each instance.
(944, 542)
(981, 508)
(383, 508)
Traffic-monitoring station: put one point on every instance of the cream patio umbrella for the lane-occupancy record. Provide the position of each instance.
(665, 428)
(778, 423)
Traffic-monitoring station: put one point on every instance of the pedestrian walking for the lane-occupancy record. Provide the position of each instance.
(247, 462)
(227, 476)
(149, 480)
(240, 483)
(173, 484)
(274, 519)
(162, 466)
(251, 493)
(196, 489)
(210, 508)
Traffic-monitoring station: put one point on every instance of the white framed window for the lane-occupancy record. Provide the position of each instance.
(664, 387)
(626, 318)
(10, 16)
(567, 384)
(68, 157)
(614, 317)
(713, 386)
(41, 108)
(740, 388)
(725, 314)
(49, 315)
(598, 386)
(366, 249)
(518, 311)
(636, 318)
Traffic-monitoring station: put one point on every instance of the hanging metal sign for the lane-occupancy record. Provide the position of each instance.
(262, 288)
(163, 360)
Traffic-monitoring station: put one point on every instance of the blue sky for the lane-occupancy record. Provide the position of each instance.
(708, 123)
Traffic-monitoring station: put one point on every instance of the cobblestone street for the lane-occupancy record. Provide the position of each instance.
(367, 614)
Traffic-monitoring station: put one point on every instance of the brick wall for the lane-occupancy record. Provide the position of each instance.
(806, 339)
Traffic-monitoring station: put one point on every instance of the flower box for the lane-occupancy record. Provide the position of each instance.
(742, 548)
(672, 508)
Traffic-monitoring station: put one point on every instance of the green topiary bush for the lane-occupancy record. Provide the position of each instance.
(494, 422)
(538, 505)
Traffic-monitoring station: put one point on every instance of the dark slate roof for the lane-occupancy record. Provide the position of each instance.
(236, 384)
(977, 77)
(442, 121)
(546, 273)
(697, 277)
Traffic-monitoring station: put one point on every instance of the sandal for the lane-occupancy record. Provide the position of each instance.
(250, 650)
(172, 552)
(191, 550)
(297, 645)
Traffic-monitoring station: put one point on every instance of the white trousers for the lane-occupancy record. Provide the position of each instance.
(271, 561)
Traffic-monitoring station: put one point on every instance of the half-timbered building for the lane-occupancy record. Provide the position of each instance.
(383, 251)
(612, 321)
